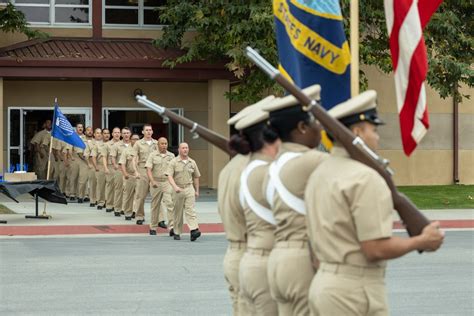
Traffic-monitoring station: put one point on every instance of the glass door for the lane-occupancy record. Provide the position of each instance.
(24, 123)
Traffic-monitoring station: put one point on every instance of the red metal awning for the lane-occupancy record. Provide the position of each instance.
(101, 58)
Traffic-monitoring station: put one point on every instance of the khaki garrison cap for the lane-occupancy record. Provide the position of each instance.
(361, 108)
(234, 119)
(253, 118)
(313, 92)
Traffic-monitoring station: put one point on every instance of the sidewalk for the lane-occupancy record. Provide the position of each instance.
(81, 219)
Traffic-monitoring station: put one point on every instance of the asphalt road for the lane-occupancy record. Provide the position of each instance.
(156, 275)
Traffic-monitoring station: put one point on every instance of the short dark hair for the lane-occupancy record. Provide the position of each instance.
(147, 124)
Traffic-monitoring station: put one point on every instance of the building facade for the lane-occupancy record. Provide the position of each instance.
(100, 52)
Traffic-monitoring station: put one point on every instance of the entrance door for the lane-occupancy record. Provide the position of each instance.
(24, 122)
(134, 118)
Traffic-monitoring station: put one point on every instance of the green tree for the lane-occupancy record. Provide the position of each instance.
(224, 28)
(12, 20)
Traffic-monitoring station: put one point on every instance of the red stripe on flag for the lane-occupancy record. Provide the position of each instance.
(426, 8)
(400, 11)
(417, 75)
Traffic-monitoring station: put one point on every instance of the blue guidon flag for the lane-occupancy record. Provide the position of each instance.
(64, 131)
(312, 47)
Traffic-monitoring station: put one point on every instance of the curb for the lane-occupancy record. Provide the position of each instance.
(144, 229)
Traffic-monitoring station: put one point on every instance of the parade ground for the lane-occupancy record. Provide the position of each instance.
(86, 261)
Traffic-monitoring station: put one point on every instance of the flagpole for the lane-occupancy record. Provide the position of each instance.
(354, 23)
(50, 151)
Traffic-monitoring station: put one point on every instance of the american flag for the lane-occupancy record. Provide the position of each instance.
(406, 20)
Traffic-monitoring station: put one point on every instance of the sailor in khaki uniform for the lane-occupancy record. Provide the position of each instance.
(44, 147)
(110, 170)
(259, 219)
(69, 187)
(142, 148)
(115, 153)
(183, 175)
(40, 156)
(79, 170)
(126, 163)
(349, 211)
(232, 216)
(56, 162)
(75, 164)
(160, 188)
(290, 267)
(92, 180)
(97, 154)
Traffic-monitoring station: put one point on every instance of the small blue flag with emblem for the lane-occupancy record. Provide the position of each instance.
(313, 48)
(64, 131)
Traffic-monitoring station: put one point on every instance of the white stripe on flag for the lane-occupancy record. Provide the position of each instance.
(408, 39)
(389, 14)
(419, 129)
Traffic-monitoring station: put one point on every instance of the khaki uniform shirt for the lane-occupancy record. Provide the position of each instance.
(183, 172)
(259, 231)
(294, 175)
(158, 163)
(347, 203)
(78, 150)
(44, 142)
(126, 158)
(106, 150)
(143, 150)
(117, 150)
(228, 202)
(89, 146)
(99, 151)
(38, 137)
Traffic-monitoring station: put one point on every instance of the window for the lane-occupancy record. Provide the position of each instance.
(55, 12)
(132, 12)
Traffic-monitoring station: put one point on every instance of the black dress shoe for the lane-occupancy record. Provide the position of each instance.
(108, 210)
(86, 199)
(93, 204)
(99, 207)
(152, 232)
(171, 232)
(162, 224)
(122, 213)
(117, 214)
(72, 198)
(133, 215)
(80, 201)
(128, 218)
(195, 234)
(176, 237)
(140, 222)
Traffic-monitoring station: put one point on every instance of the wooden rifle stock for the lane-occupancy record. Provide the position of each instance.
(212, 137)
(412, 218)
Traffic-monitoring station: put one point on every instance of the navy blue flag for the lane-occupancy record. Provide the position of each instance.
(64, 131)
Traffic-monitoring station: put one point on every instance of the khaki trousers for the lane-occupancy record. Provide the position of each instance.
(100, 189)
(129, 186)
(160, 200)
(73, 178)
(141, 191)
(109, 187)
(41, 166)
(289, 276)
(348, 290)
(233, 255)
(82, 177)
(92, 184)
(118, 191)
(254, 282)
(184, 205)
(63, 170)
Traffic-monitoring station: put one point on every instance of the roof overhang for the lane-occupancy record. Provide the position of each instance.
(79, 58)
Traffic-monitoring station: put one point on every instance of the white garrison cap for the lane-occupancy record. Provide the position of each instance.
(234, 119)
(255, 117)
(361, 108)
(313, 92)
